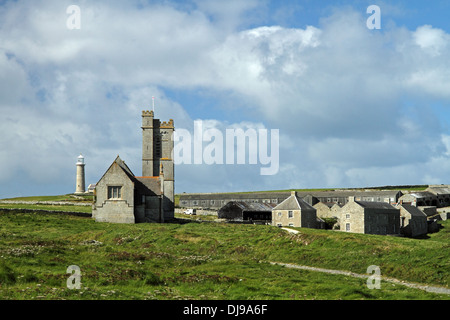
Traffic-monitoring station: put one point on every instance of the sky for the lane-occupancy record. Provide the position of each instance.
(353, 105)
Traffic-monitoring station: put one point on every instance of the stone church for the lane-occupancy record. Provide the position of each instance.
(122, 197)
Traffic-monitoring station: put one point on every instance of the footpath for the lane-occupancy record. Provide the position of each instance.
(425, 287)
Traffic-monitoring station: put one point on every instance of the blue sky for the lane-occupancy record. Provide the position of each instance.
(354, 107)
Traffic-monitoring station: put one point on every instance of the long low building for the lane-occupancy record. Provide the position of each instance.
(218, 200)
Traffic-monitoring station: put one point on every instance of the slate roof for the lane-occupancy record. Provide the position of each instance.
(294, 203)
(439, 190)
(248, 206)
(144, 185)
(124, 166)
(420, 194)
(148, 185)
(375, 205)
(414, 211)
(237, 196)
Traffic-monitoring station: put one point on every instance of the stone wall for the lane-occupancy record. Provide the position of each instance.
(300, 218)
(114, 210)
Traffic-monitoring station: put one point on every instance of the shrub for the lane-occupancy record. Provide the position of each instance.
(7, 275)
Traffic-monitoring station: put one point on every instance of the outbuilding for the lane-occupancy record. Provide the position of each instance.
(242, 211)
(413, 222)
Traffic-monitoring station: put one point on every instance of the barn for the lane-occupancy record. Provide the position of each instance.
(241, 211)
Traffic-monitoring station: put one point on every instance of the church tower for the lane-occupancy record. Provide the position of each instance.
(80, 187)
(157, 151)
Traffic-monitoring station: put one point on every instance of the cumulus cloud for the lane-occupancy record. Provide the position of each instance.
(354, 106)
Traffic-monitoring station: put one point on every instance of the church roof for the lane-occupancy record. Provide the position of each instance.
(148, 185)
(144, 185)
(124, 166)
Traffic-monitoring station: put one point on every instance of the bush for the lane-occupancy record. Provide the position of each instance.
(152, 279)
(7, 275)
(330, 222)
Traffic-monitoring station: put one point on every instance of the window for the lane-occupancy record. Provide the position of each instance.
(347, 227)
(347, 216)
(279, 214)
(157, 147)
(290, 214)
(291, 224)
(114, 192)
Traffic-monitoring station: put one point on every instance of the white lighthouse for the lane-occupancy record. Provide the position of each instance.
(80, 175)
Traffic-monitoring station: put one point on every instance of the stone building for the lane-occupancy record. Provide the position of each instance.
(240, 211)
(122, 197)
(294, 212)
(413, 222)
(419, 198)
(442, 194)
(369, 217)
(218, 200)
(323, 210)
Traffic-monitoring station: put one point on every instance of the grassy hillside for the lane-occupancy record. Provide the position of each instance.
(206, 261)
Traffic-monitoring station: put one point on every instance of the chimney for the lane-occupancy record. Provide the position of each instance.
(294, 193)
(351, 199)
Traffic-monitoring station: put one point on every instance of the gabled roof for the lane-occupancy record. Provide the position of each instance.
(294, 203)
(144, 185)
(328, 204)
(375, 205)
(414, 211)
(123, 165)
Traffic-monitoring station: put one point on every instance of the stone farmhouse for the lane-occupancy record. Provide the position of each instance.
(122, 197)
(294, 212)
(369, 217)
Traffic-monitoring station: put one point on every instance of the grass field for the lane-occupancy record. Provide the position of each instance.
(207, 261)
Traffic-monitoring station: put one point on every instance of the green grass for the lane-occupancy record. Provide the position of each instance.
(68, 208)
(206, 261)
(65, 197)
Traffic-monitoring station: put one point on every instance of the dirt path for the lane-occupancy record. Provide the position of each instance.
(425, 287)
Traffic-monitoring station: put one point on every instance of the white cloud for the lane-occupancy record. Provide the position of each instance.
(336, 91)
(430, 39)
